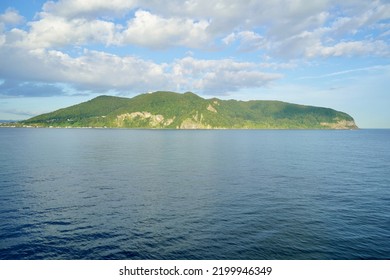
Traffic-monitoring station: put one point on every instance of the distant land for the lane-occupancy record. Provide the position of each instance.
(7, 121)
(189, 111)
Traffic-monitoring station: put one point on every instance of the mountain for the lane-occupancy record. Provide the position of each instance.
(189, 111)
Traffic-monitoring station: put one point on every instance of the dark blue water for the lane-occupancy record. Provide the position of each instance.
(166, 194)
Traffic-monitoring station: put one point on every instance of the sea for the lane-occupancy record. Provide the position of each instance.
(103, 194)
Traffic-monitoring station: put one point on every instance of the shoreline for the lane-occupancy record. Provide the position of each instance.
(178, 129)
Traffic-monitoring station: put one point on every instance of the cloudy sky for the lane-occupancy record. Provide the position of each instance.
(328, 53)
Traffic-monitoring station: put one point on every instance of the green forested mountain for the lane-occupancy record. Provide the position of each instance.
(189, 111)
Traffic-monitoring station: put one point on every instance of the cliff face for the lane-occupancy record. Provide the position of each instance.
(340, 124)
(189, 111)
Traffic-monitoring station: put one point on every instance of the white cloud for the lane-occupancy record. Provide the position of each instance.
(229, 81)
(220, 76)
(11, 16)
(320, 28)
(352, 24)
(279, 27)
(53, 31)
(248, 40)
(92, 70)
(335, 37)
(278, 65)
(101, 71)
(89, 8)
(285, 29)
(153, 31)
(145, 29)
(232, 15)
(351, 48)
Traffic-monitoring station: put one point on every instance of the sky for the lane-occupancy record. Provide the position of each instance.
(327, 53)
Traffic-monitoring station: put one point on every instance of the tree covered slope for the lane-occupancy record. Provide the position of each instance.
(189, 111)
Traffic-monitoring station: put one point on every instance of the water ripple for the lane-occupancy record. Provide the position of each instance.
(123, 194)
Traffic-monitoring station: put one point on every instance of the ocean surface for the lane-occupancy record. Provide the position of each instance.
(168, 194)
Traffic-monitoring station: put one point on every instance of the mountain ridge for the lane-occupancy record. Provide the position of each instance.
(172, 110)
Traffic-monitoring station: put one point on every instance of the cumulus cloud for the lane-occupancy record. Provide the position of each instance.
(108, 71)
(153, 31)
(335, 37)
(248, 40)
(93, 70)
(11, 16)
(101, 71)
(220, 76)
(53, 31)
(201, 24)
(144, 29)
(285, 30)
(89, 8)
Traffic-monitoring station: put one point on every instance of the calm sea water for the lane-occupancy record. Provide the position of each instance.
(166, 194)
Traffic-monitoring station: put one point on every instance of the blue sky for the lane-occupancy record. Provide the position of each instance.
(321, 52)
